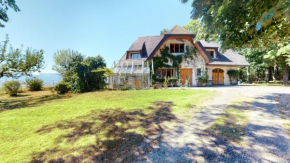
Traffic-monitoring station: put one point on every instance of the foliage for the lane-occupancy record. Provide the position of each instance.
(165, 56)
(62, 58)
(233, 75)
(34, 84)
(165, 83)
(61, 87)
(162, 60)
(12, 87)
(76, 70)
(163, 32)
(108, 72)
(251, 23)
(4, 6)
(13, 63)
(202, 80)
(285, 51)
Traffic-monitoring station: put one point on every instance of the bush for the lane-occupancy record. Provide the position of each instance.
(34, 84)
(12, 87)
(202, 80)
(233, 75)
(62, 87)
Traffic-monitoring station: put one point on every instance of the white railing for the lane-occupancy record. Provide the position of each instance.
(139, 66)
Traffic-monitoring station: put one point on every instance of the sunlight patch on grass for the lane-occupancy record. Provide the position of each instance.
(232, 124)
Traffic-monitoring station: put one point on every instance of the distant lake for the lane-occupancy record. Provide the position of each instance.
(49, 79)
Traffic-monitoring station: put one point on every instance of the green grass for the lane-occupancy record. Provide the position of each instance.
(98, 126)
(232, 124)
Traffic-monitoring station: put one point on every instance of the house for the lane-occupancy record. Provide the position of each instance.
(136, 65)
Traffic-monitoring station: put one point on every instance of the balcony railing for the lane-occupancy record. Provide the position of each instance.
(139, 66)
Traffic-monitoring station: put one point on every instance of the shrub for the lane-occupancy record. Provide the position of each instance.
(34, 84)
(233, 75)
(12, 87)
(62, 87)
(202, 80)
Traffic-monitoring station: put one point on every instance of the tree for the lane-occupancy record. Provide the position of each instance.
(107, 71)
(13, 63)
(76, 70)
(62, 58)
(4, 6)
(244, 23)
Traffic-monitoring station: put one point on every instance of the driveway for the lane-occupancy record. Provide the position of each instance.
(265, 139)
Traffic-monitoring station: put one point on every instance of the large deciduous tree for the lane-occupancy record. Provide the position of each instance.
(14, 63)
(4, 6)
(76, 69)
(244, 23)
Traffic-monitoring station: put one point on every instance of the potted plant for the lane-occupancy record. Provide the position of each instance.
(202, 81)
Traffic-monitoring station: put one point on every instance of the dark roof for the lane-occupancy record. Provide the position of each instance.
(230, 58)
(149, 44)
(145, 44)
(209, 44)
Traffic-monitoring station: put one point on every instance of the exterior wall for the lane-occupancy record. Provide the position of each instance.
(226, 76)
(196, 62)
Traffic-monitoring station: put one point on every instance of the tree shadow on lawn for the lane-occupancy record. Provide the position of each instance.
(115, 131)
(19, 102)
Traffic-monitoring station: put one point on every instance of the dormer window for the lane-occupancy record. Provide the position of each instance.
(134, 56)
(212, 53)
(176, 48)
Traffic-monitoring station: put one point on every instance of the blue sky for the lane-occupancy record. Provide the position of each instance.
(91, 27)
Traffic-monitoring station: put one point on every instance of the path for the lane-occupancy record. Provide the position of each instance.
(185, 142)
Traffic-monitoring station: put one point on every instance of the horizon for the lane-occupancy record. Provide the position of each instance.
(91, 28)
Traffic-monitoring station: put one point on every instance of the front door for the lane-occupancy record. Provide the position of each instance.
(218, 77)
(186, 74)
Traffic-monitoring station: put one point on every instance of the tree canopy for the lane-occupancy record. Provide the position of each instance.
(244, 23)
(14, 63)
(4, 6)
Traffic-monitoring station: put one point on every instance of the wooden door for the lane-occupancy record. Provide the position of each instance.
(185, 74)
(218, 77)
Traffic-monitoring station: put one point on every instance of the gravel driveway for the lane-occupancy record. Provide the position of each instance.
(265, 139)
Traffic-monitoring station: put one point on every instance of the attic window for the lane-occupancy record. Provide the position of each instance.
(212, 53)
(135, 56)
(176, 48)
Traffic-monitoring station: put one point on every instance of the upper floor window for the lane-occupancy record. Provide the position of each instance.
(176, 48)
(135, 56)
(212, 53)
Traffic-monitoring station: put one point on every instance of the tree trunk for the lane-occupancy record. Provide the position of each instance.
(270, 73)
(267, 69)
(277, 73)
(248, 74)
(286, 74)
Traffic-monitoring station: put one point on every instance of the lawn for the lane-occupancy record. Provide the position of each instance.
(97, 126)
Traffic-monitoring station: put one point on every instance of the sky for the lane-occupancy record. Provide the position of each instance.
(91, 27)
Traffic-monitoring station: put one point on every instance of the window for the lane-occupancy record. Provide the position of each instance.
(176, 48)
(198, 73)
(135, 56)
(211, 53)
(166, 72)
